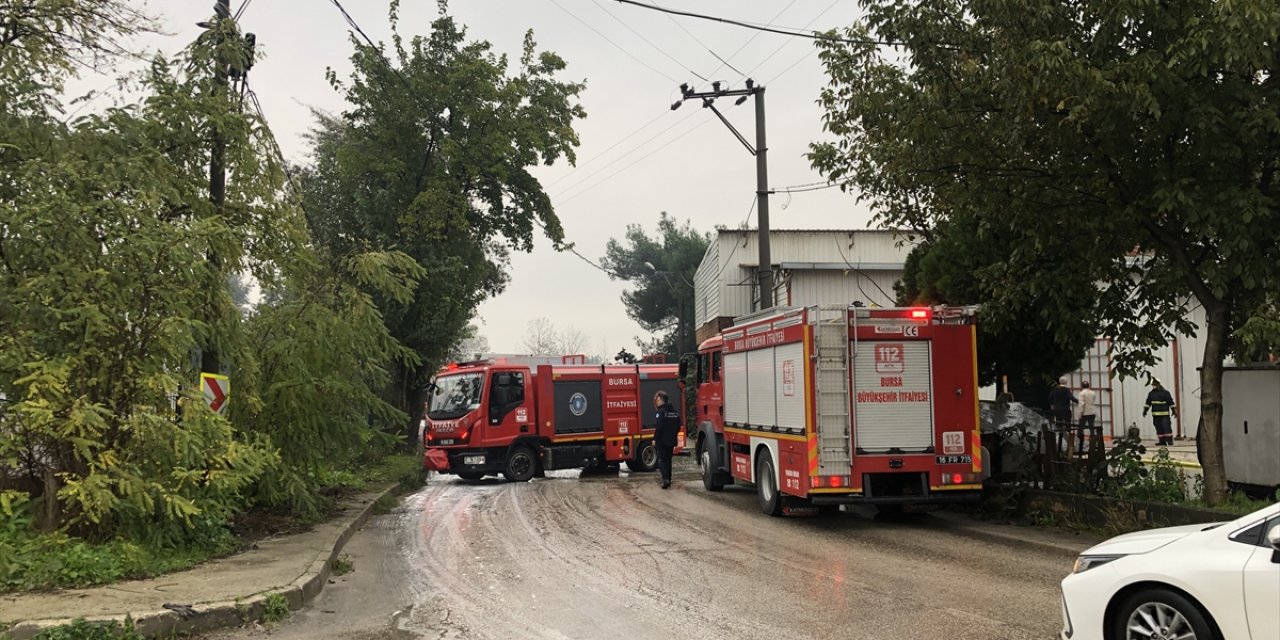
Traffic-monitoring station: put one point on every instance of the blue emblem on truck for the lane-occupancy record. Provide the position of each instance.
(577, 404)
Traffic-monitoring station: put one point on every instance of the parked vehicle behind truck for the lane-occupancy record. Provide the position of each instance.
(519, 417)
(828, 405)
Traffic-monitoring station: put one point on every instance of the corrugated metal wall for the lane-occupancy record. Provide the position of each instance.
(706, 290)
(724, 283)
(834, 287)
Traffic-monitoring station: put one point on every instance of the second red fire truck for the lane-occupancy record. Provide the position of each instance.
(518, 417)
(829, 405)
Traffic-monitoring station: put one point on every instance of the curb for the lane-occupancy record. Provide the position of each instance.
(958, 525)
(219, 615)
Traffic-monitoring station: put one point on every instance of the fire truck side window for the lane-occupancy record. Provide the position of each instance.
(704, 368)
(506, 394)
(715, 367)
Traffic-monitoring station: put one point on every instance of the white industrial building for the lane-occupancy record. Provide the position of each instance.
(809, 267)
(844, 266)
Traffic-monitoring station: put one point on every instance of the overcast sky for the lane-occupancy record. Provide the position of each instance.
(637, 158)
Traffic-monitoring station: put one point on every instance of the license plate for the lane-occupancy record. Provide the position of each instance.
(472, 459)
(955, 459)
(445, 442)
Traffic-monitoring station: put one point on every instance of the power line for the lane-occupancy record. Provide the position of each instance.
(634, 162)
(609, 148)
(799, 189)
(795, 33)
(610, 41)
(745, 220)
(862, 275)
(243, 5)
(784, 44)
(621, 157)
(646, 40)
(749, 40)
(387, 63)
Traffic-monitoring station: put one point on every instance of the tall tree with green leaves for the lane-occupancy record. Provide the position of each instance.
(1019, 345)
(431, 158)
(662, 269)
(105, 285)
(1127, 143)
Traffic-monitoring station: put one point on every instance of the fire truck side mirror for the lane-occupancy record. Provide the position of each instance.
(684, 368)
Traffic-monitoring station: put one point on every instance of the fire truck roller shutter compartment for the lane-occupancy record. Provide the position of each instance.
(578, 407)
(789, 385)
(762, 406)
(735, 388)
(893, 396)
(649, 417)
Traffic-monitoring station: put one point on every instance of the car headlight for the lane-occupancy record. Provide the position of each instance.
(1085, 563)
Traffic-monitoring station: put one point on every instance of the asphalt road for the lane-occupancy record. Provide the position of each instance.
(615, 556)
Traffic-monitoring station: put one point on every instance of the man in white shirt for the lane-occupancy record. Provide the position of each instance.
(1088, 413)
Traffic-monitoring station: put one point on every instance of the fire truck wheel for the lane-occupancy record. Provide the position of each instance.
(521, 465)
(710, 477)
(646, 458)
(470, 475)
(767, 486)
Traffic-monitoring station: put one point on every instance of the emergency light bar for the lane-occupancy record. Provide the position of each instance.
(919, 314)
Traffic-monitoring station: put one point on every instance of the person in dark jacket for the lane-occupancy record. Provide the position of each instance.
(665, 434)
(1060, 401)
(1160, 404)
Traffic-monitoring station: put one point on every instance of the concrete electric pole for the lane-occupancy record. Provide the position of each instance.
(760, 151)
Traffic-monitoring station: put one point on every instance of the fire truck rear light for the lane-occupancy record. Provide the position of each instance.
(957, 478)
(919, 314)
(817, 481)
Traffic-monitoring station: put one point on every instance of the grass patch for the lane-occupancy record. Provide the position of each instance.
(385, 504)
(56, 560)
(342, 565)
(405, 469)
(275, 609)
(80, 629)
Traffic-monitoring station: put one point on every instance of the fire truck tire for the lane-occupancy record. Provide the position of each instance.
(521, 464)
(470, 475)
(711, 479)
(767, 486)
(646, 458)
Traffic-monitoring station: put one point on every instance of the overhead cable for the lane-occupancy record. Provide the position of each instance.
(610, 41)
(759, 27)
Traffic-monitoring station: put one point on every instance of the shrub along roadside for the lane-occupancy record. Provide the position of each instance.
(35, 561)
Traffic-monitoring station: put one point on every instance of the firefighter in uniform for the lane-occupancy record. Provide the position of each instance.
(1160, 404)
(665, 434)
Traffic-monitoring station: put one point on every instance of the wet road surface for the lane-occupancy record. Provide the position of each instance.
(616, 556)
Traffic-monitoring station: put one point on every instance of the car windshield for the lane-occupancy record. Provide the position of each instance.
(455, 396)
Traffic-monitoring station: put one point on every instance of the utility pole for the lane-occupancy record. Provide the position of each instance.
(227, 65)
(760, 151)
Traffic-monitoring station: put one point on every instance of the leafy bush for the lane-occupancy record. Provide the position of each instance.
(275, 608)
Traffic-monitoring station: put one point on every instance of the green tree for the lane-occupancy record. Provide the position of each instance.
(105, 289)
(1127, 143)
(1019, 341)
(431, 158)
(662, 268)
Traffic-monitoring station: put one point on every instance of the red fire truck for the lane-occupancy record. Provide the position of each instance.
(829, 405)
(518, 417)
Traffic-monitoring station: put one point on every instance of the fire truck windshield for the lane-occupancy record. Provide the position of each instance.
(455, 396)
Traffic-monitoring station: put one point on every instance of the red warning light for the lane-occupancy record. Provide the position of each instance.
(919, 314)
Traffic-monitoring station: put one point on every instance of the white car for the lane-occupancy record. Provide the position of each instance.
(1199, 582)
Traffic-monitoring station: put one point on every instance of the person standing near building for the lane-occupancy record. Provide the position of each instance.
(1060, 401)
(1088, 413)
(1160, 404)
(665, 434)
